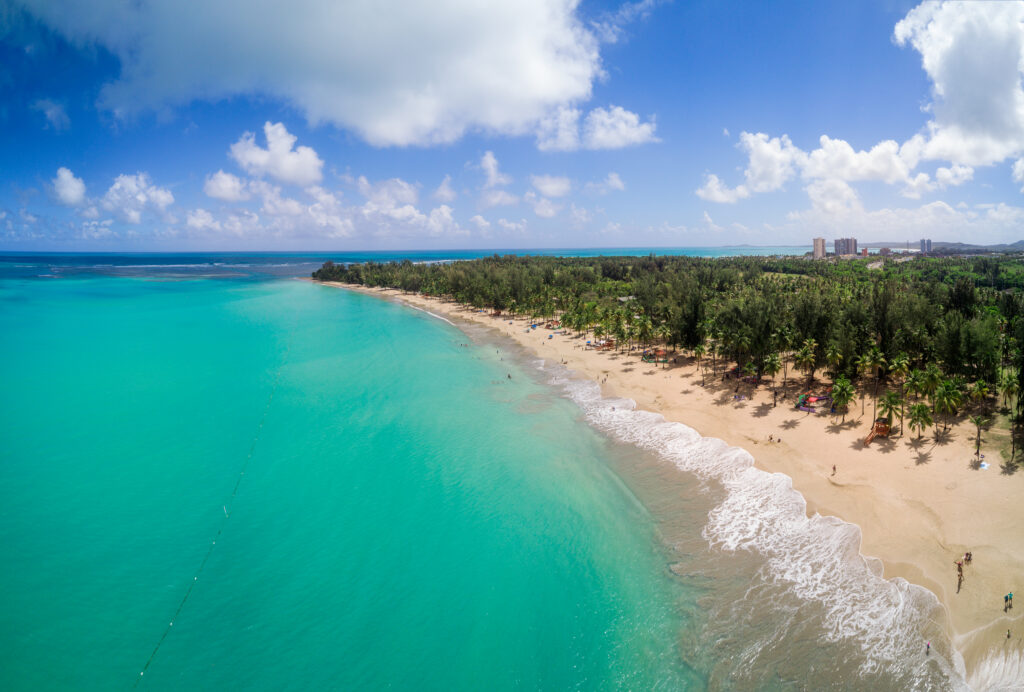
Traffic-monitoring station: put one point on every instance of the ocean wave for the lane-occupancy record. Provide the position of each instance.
(816, 558)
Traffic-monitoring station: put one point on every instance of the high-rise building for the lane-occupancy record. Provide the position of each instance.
(926, 244)
(819, 248)
(846, 246)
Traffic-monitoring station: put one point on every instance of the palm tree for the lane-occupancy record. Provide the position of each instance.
(805, 359)
(842, 394)
(1008, 386)
(771, 367)
(644, 330)
(920, 417)
(784, 338)
(979, 423)
(876, 361)
(863, 365)
(979, 392)
(900, 367)
(932, 380)
(891, 404)
(833, 356)
(947, 400)
(698, 352)
(915, 382)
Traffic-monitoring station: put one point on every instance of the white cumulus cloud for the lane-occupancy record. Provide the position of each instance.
(225, 186)
(444, 191)
(551, 185)
(201, 220)
(489, 164)
(69, 190)
(298, 166)
(615, 128)
(394, 72)
(603, 128)
(131, 195)
(973, 52)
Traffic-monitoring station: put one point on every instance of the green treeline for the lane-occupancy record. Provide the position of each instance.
(959, 320)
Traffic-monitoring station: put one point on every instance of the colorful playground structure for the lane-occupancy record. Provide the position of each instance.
(804, 401)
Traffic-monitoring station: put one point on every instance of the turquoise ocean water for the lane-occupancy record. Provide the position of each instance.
(409, 517)
(324, 490)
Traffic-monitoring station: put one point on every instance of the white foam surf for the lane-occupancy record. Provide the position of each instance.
(815, 558)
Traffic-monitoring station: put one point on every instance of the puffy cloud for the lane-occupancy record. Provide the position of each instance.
(612, 181)
(480, 222)
(714, 190)
(516, 226)
(497, 198)
(1018, 172)
(560, 131)
(395, 199)
(299, 166)
(833, 197)
(953, 176)
(131, 195)
(578, 216)
(225, 186)
(202, 220)
(56, 117)
(772, 161)
(489, 164)
(396, 73)
(542, 206)
(328, 213)
(936, 219)
(69, 190)
(615, 128)
(837, 159)
(551, 186)
(603, 128)
(441, 222)
(444, 191)
(973, 52)
(273, 203)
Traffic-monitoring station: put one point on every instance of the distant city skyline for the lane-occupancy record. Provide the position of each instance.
(535, 123)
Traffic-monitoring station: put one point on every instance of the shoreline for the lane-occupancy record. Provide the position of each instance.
(919, 504)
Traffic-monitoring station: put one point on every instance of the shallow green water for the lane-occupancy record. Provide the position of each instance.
(409, 518)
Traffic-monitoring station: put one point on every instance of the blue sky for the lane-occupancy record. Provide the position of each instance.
(520, 123)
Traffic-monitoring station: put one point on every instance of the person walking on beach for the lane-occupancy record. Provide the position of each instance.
(833, 469)
(927, 648)
(960, 567)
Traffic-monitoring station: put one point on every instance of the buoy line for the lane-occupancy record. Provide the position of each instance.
(227, 515)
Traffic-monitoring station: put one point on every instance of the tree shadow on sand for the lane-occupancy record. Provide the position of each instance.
(790, 424)
(1008, 468)
(836, 427)
(885, 445)
(943, 437)
(762, 410)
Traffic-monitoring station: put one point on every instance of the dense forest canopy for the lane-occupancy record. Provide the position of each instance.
(960, 317)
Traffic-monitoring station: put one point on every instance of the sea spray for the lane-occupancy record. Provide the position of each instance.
(808, 565)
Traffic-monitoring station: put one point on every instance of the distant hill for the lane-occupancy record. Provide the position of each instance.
(938, 245)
